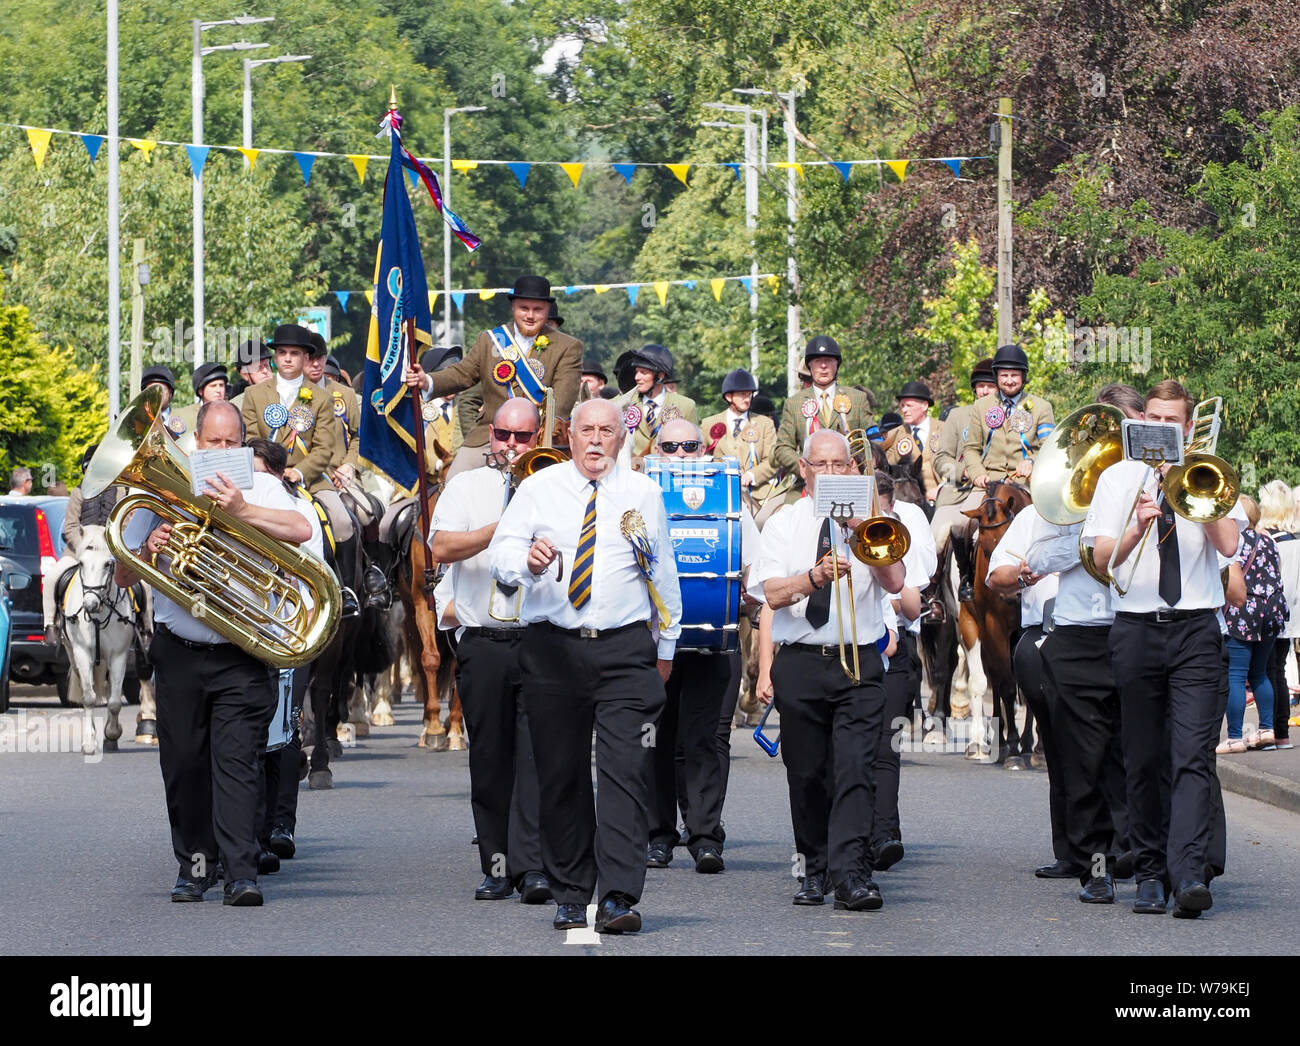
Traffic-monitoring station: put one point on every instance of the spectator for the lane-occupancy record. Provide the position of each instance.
(20, 482)
(1278, 517)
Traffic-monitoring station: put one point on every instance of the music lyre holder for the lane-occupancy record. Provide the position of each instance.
(770, 745)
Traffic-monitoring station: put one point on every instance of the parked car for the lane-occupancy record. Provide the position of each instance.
(11, 577)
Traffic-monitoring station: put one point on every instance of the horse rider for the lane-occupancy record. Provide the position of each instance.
(502, 772)
(593, 379)
(823, 405)
(825, 715)
(949, 468)
(923, 434)
(215, 702)
(648, 404)
(587, 655)
(697, 690)
(210, 382)
(163, 377)
(520, 358)
(750, 439)
(253, 360)
(1005, 431)
(1167, 653)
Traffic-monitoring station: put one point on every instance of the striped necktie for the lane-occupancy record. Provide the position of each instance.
(585, 560)
(651, 413)
(827, 414)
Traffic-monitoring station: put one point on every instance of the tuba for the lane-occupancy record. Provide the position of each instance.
(236, 579)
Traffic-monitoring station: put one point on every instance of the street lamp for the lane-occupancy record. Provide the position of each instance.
(249, 64)
(196, 100)
(792, 269)
(446, 202)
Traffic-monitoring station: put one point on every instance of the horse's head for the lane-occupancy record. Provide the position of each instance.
(96, 565)
(1002, 500)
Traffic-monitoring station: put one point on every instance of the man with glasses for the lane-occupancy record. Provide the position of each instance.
(502, 773)
(826, 718)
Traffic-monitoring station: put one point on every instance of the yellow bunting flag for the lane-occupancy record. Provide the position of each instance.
(251, 156)
(661, 289)
(463, 165)
(433, 297)
(485, 295)
(899, 167)
(370, 297)
(600, 288)
(573, 170)
(679, 170)
(775, 283)
(717, 285)
(145, 146)
(40, 141)
(798, 167)
(360, 163)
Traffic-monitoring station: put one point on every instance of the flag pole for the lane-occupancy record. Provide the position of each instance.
(421, 470)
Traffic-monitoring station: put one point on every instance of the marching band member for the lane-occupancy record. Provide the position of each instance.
(1167, 652)
(824, 714)
(515, 359)
(587, 656)
(750, 439)
(648, 405)
(502, 773)
(696, 690)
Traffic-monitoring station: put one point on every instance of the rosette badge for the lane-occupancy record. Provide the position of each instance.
(503, 373)
(276, 415)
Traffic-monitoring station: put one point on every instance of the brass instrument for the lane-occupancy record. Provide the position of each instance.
(236, 579)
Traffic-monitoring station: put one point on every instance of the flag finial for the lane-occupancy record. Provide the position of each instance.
(392, 98)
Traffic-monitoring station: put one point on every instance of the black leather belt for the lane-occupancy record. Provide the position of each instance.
(587, 633)
(188, 643)
(1164, 615)
(828, 650)
(496, 635)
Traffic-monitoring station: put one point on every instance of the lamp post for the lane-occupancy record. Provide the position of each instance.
(198, 53)
(446, 200)
(114, 261)
(249, 64)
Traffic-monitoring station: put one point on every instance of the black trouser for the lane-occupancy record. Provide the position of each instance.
(279, 804)
(1172, 685)
(214, 707)
(1027, 667)
(902, 684)
(502, 773)
(726, 713)
(1281, 689)
(826, 719)
(689, 725)
(1086, 728)
(569, 684)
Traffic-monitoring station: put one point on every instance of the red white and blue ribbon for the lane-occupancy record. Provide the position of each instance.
(392, 124)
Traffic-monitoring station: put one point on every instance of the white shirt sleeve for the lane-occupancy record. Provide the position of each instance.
(774, 550)
(508, 551)
(1053, 548)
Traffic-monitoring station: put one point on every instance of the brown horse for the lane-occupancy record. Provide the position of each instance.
(997, 619)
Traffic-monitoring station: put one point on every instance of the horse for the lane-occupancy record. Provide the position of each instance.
(98, 630)
(996, 620)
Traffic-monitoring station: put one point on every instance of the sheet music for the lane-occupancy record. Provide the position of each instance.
(843, 497)
(1153, 443)
(236, 463)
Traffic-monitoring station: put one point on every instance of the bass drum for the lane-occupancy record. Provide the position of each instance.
(703, 503)
(280, 731)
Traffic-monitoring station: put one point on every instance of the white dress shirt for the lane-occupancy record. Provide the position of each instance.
(1014, 543)
(472, 500)
(1080, 600)
(922, 557)
(789, 543)
(1198, 559)
(266, 492)
(551, 504)
(287, 390)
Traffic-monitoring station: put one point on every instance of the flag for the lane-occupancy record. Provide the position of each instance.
(401, 292)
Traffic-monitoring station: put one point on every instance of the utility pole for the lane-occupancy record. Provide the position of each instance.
(114, 247)
(139, 277)
(1005, 327)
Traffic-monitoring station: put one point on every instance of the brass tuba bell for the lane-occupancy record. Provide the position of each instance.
(239, 581)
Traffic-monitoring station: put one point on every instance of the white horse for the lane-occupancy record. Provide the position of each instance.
(98, 631)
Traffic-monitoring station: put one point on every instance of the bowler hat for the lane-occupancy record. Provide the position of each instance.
(251, 352)
(591, 365)
(332, 367)
(292, 335)
(207, 373)
(554, 315)
(318, 346)
(916, 390)
(158, 375)
(535, 287)
(440, 357)
(890, 421)
(822, 345)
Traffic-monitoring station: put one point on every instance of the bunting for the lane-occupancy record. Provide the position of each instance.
(573, 170)
(520, 171)
(661, 289)
(145, 146)
(632, 290)
(788, 165)
(899, 167)
(679, 170)
(39, 138)
(250, 155)
(305, 162)
(343, 297)
(626, 170)
(360, 162)
(92, 142)
(954, 165)
(844, 168)
(198, 155)
(459, 298)
(717, 285)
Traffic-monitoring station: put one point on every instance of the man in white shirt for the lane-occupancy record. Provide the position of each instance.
(214, 701)
(588, 543)
(1167, 654)
(826, 716)
(502, 773)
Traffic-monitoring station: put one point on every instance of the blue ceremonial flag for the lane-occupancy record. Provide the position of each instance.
(387, 407)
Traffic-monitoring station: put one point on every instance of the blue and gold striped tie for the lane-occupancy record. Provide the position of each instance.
(585, 560)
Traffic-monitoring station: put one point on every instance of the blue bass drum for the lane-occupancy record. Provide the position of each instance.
(703, 503)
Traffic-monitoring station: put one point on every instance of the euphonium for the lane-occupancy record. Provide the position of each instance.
(531, 461)
(236, 579)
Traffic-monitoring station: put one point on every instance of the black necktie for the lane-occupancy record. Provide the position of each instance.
(1171, 583)
(1008, 404)
(819, 603)
(916, 433)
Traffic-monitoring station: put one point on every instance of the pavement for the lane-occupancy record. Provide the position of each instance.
(1271, 777)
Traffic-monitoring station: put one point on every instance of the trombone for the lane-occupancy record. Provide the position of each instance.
(520, 469)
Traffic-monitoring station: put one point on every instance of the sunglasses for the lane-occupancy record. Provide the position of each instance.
(503, 435)
(688, 445)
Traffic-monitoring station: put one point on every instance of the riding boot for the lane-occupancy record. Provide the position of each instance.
(960, 540)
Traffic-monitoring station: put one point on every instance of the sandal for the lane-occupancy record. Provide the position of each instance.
(1232, 746)
(1264, 739)
(1284, 743)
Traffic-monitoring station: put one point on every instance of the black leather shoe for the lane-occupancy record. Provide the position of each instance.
(658, 855)
(1099, 889)
(708, 861)
(1150, 897)
(379, 596)
(494, 888)
(243, 893)
(966, 592)
(1057, 870)
(348, 605)
(570, 916)
(191, 889)
(1191, 898)
(268, 863)
(858, 895)
(616, 915)
(282, 844)
(813, 891)
(888, 854)
(535, 888)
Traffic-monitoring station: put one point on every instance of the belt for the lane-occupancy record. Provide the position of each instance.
(829, 650)
(586, 633)
(496, 635)
(189, 643)
(1165, 615)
